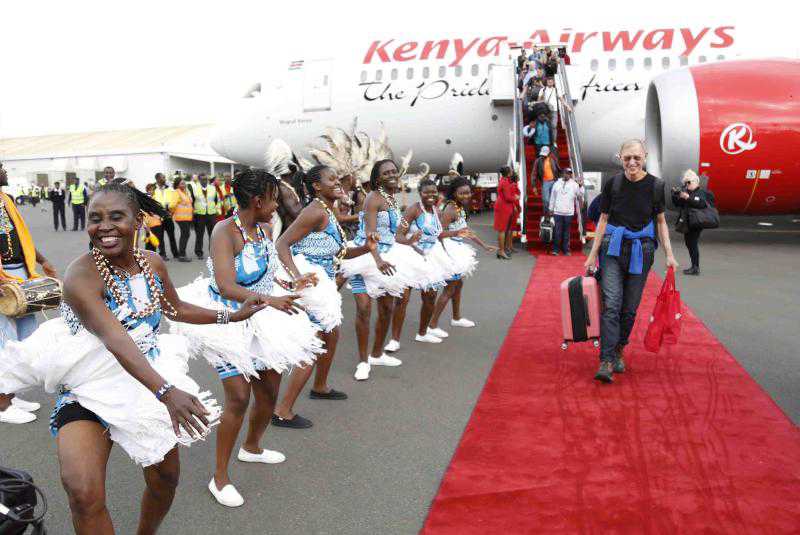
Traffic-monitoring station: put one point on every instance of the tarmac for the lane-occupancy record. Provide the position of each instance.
(373, 463)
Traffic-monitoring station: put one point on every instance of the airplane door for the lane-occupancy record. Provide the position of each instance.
(317, 85)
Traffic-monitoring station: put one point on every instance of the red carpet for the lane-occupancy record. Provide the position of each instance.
(686, 442)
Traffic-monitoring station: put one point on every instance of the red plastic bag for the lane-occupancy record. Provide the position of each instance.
(665, 322)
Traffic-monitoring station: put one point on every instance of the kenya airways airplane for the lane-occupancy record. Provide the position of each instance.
(693, 93)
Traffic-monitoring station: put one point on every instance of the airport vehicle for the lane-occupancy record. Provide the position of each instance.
(692, 93)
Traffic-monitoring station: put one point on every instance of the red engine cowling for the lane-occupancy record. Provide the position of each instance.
(738, 123)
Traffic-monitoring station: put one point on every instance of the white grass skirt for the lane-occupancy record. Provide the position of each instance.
(463, 257)
(321, 301)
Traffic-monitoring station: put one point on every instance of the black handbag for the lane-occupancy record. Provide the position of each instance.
(682, 223)
(18, 499)
(703, 218)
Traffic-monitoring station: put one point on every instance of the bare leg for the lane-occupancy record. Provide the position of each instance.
(363, 311)
(297, 380)
(509, 240)
(237, 397)
(399, 315)
(265, 392)
(161, 481)
(385, 306)
(457, 300)
(501, 242)
(325, 362)
(83, 449)
(425, 313)
(441, 303)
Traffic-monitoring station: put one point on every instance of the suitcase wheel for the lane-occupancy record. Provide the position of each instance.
(563, 346)
(596, 343)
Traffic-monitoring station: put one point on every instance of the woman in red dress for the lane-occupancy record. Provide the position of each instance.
(506, 211)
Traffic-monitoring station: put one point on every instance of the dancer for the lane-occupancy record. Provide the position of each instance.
(385, 275)
(454, 218)
(249, 358)
(280, 162)
(318, 241)
(119, 381)
(425, 231)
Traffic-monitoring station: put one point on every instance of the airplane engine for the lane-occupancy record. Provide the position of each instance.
(737, 123)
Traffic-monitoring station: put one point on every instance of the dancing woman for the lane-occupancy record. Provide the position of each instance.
(119, 381)
(454, 219)
(249, 359)
(318, 243)
(424, 234)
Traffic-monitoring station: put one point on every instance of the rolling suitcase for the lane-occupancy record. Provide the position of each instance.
(546, 225)
(580, 310)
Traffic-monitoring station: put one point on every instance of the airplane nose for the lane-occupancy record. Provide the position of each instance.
(218, 140)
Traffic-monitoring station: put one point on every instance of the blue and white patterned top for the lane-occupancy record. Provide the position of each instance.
(458, 224)
(144, 331)
(386, 226)
(430, 226)
(321, 247)
(254, 271)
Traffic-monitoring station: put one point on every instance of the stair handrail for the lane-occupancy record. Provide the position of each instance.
(571, 131)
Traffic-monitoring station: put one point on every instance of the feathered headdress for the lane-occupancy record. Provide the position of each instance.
(456, 165)
(279, 158)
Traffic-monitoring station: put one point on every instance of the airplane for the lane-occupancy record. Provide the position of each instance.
(694, 95)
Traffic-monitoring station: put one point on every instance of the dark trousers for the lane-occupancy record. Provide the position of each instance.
(168, 229)
(563, 223)
(159, 233)
(78, 214)
(202, 224)
(691, 239)
(59, 215)
(622, 293)
(186, 230)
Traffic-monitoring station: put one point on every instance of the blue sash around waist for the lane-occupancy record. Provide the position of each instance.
(622, 233)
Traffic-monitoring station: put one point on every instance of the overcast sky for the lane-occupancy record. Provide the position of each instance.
(71, 66)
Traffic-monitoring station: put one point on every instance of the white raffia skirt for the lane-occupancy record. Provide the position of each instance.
(322, 302)
(270, 339)
(463, 256)
(52, 357)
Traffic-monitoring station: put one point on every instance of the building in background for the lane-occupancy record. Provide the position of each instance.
(137, 154)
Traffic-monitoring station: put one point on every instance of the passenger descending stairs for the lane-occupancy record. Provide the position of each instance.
(569, 155)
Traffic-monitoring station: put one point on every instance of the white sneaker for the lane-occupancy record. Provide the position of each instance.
(27, 406)
(15, 415)
(362, 371)
(428, 338)
(266, 456)
(463, 322)
(228, 496)
(384, 360)
(437, 332)
(392, 346)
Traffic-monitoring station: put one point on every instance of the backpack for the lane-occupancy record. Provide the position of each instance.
(658, 188)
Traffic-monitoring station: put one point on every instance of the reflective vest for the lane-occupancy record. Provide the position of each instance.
(76, 193)
(205, 199)
(164, 196)
(181, 206)
(102, 182)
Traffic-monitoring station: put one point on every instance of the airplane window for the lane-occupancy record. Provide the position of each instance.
(442, 71)
(665, 62)
(612, 64)
(475, 70)
(629, 64)
(648, 63)
(363, 76)
(684, 61)
(410, 73)
(426, 72)
(594, 64)
(394, 74)
(459, 70)
(378, 75)
(701, 59)
(720, 57)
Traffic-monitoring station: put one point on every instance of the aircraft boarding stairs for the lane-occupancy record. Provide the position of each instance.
(569, 155)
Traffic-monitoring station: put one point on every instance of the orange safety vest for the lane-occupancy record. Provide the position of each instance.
(181, 206)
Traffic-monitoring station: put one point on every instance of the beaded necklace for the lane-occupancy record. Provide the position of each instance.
(6, 227)
(460, 209)
(262, 236)
(437, 225)
(157, 297)
(337, 260)
(392, 205)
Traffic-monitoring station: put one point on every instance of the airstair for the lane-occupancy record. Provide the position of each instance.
(569, 155)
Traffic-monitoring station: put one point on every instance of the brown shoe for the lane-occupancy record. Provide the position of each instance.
(605, 373)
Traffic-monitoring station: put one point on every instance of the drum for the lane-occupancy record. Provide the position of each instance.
(34, 295)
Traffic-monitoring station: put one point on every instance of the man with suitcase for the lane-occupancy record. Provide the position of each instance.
(632, 208)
